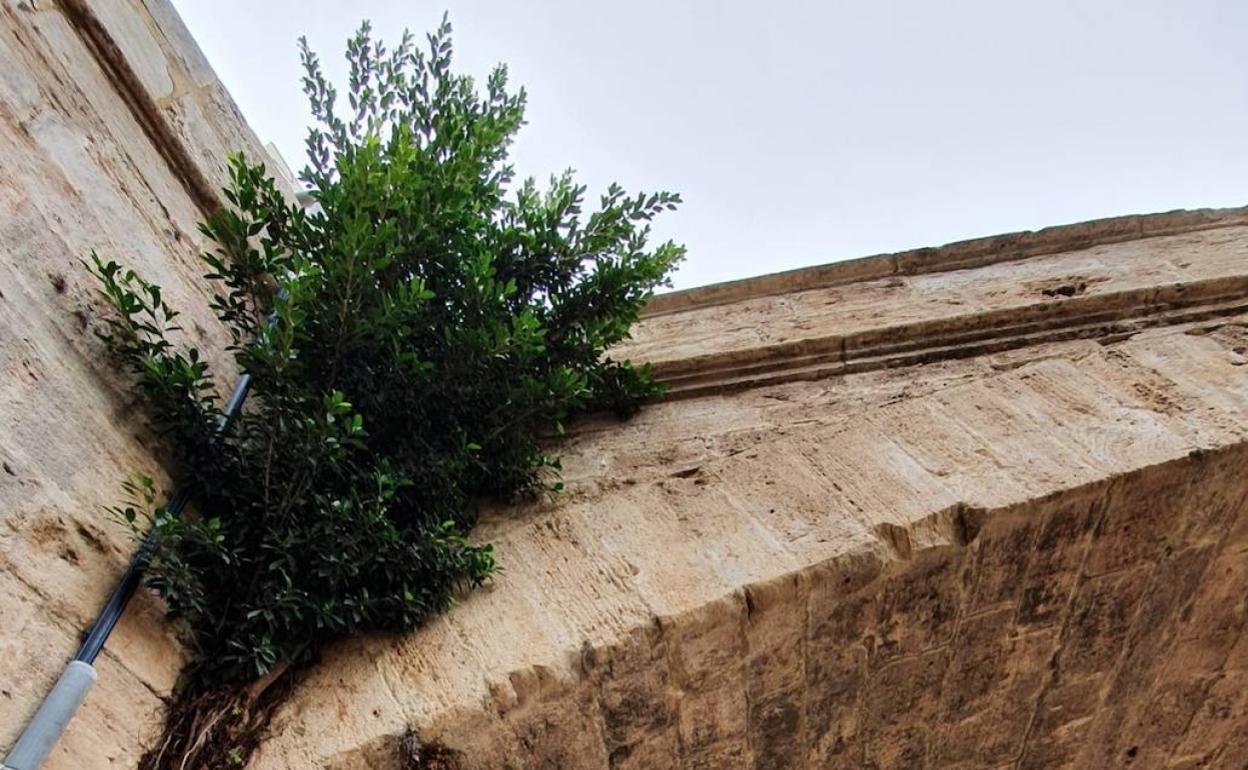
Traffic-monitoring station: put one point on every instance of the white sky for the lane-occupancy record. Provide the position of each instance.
(801, 133)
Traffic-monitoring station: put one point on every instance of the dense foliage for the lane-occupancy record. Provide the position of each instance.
(409, 338)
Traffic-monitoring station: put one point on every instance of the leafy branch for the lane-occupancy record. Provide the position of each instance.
(410, 337)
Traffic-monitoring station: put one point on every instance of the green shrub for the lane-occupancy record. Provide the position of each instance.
(409, 339)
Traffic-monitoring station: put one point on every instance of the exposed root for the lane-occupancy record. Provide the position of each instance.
(218, 728)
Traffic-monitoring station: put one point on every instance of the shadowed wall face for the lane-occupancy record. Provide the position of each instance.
(1099, 628)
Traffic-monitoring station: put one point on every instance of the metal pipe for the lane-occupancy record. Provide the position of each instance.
(37, 740)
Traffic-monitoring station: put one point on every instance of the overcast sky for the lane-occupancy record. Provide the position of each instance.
(805, 133)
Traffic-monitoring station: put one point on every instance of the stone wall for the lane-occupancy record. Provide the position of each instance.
(113, 133)
(1012, 533)
(979, 506)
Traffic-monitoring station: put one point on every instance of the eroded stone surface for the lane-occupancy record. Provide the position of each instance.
(972, 507)
(1032, 559)
(83, 173)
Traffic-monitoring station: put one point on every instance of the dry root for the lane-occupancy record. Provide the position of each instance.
(218, 728)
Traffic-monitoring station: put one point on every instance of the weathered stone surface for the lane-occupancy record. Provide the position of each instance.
(1023, 559)
(1069, 290)
(980, 506)
(84, 170)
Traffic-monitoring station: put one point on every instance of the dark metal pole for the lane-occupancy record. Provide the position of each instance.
(132, 578)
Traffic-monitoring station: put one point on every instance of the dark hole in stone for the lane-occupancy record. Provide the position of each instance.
(58, 282)
(1065, 290)
(415, 754)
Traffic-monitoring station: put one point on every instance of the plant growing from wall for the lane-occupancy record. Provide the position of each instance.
(410, 338)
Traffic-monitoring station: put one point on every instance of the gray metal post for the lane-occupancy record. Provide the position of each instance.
(42, 733)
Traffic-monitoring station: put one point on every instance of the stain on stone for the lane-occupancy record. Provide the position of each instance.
(48, 534)
(621, 753)
(91, 538)
(967, 522)
(1055, 563)
(776, 726)
(58, 282)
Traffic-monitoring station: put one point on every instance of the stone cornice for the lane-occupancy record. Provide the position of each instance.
(1108, 317)
(1140, 287)
(959, 255)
